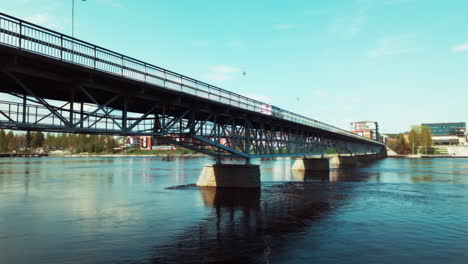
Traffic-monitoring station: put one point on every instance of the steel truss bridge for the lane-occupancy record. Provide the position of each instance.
(58, 83)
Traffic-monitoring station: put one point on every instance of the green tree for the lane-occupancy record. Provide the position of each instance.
(111, 143)
(63, 141)
(50, 141)
(80, 143)
(10, 140)
(414, 139)
(3, 141)
(426, 138)
(420, 138)
(18, 142)
(28, 139)
(37, 140)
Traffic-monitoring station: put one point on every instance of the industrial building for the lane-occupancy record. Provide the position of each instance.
(447, 133)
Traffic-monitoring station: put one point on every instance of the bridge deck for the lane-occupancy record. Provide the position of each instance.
(44, 64)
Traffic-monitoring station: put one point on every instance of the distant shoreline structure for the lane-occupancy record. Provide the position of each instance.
(427, 156)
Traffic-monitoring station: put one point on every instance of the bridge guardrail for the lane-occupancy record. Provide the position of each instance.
(21, 34)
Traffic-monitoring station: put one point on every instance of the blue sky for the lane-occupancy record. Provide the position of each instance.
(399, 62)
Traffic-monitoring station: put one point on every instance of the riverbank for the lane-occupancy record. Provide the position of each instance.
(458, 151)
(25, 155)
(132, 153)
(427, 156)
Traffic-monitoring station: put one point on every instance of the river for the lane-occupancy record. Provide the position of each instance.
(122, 210)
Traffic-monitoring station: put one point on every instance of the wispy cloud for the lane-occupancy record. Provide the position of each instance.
(218, 78)
(460, 48)
(283, 26)
(349, 26)
(221, 73)
(45, 20)
(224, 69)
(392, 45)
(358, 21)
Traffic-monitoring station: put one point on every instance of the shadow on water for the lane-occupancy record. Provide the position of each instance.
(250, 225)
(334, 175)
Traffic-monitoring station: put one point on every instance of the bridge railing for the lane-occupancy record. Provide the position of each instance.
(33, 38)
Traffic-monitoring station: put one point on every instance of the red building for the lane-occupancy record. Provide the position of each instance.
(367, 133)
(146, 143)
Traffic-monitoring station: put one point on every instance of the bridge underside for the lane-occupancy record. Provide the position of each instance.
(51, 95)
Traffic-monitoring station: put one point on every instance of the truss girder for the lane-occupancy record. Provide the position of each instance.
(209, 131)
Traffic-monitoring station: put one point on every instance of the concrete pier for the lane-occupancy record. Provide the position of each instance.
(318, 164)
(363, 158)
(344, 160)
(230, 176)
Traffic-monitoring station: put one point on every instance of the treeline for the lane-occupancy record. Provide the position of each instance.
(10, 141)
(75, 143)
(419, 141)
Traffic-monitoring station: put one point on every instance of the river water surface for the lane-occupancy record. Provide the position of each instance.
(120, 210)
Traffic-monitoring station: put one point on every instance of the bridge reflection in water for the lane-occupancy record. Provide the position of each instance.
(252, 225)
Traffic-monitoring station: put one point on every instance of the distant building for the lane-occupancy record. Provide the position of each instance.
(447, 129)
(447, 133)
(132, 142)
(147, 143)
(368, 129)
(384, 138)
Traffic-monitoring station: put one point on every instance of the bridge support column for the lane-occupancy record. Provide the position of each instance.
(344, 160)
(370, 157)
(319, 164)
(230, 176)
